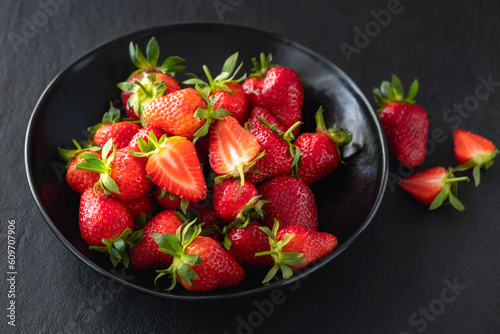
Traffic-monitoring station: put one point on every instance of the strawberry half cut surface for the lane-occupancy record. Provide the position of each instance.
(473, 151)
(434, 186)
(232, 149)
(174, 166)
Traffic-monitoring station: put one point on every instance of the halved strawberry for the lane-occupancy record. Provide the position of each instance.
(232, 149)
(473, 151)
(433, 186)
(174, 166)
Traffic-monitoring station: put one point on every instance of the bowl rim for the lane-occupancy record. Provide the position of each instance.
(264, 288)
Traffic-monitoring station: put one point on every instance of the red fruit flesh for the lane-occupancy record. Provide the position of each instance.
(291, 203)
(230, 145)
(177, 170)
(102, 217)
(426, 185)
(406, 127)
(146, 254)
(468, 145)
(319, 156)
(313, 245)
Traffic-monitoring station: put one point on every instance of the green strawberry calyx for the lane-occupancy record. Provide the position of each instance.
(476, 163)
(289, 138)
(70, 155)
(150, 62)
(228, 74)
(240, 171)
(144, 90)
(117, 248)
(449, 192)
(175, 245)
(209, 113)
(282, 260)
(393, 92)
(336, 135)
(112, 116)
(261, 67)
(102, 166)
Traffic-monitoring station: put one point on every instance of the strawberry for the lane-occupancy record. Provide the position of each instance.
(276, 88)
(200, 263)
(79, 180)
(140, 206)
(142, 93)
(146, 254)
(121, 132)
(234, 201)
(291, 202)
(143, 133)
(319, 151)
(122, 175)
(232, 149)
(225, 88)
(213, 224)
(245, 242)
(166, 200)
(473, 151)
(281, 156)
(294, 247)
(405, 124)
(433, 187)
(174, 166)
(106, 225)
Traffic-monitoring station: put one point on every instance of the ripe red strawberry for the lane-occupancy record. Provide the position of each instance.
(143, 133)
(166, 200)
(473, 151)
(122, 175)
(146, 254)
(294, 247)
(319, 151)
(174, 166)
(232, 200)
(433, 187)
(106, 224)
(79, 180)
(232, 149)
(291, 202)
(247, 241)
(140, 206)
(148, 65)
(405, 124)
(121, 132)
(276, 88)
(281, 156)
(213, 224)
(200, 263)
(227, 90)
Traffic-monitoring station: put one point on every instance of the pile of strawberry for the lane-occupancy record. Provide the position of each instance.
(406, 126)
(201, 184)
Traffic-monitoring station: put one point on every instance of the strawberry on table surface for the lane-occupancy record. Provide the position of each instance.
(200, 263)
(106, 225)
(229, 93)
(434, 186)
(291, 202)
(146, 254)
(111, 127)
(405, 124)
(294, 247)
(276, 88)
(319, 151)
(473, 151)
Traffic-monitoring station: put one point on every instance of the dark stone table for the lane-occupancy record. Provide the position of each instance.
(410, 271)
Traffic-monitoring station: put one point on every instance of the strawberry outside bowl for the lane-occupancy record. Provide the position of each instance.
(79, 95)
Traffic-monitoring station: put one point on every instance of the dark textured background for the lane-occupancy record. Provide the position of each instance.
(395, 269)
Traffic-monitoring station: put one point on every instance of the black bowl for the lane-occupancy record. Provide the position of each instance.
(76, 99)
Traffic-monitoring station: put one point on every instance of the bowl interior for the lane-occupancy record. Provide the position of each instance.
(78, 97)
